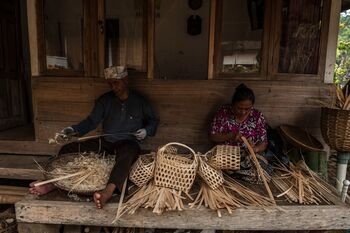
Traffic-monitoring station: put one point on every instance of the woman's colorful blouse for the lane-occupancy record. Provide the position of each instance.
(253, 127)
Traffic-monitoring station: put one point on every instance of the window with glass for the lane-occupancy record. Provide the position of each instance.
(63, 31)
(181, 39)
(240, 38)
(300, 36)
(125, 35)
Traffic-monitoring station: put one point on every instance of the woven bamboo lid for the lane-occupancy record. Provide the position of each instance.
(300, 138)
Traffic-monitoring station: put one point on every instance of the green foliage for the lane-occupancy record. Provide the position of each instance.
(342, 64)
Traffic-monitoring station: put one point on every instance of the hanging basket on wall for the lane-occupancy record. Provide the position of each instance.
(335, 128)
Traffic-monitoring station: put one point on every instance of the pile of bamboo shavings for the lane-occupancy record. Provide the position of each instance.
(299, 184)
(88, 171)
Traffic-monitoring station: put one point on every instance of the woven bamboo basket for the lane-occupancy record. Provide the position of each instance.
(142, 170)
(213, 177)
(173, 170)
(62, 161)
(224, 157)
(335, 128)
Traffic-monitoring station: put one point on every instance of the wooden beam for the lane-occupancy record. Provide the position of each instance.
(250, 218)
(211, 39)
(21, 167)
(36, 228)
(101, 36)
(150, 39)
(10, 198)
(332, 41)
(324, 35)
(27, 147)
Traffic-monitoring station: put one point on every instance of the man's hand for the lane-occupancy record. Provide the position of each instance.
(68, 132)
(141, 134)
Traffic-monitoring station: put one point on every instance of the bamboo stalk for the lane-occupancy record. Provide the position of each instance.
(121, 201)
(259, 169)
(58, 178)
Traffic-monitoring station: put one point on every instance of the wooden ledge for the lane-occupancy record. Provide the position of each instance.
(27, 147)
(21, 166)
(251, 218)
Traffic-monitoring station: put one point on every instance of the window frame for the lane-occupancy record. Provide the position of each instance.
(275, 46)
(215, 49)
(146, 31)
(42, 44)
(94, 42)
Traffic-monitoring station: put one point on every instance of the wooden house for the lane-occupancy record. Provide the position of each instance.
(187, 57)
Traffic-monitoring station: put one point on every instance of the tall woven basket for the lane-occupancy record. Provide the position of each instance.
(174, 170)
(335, 128)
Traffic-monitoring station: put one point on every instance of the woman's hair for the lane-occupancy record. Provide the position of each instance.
(242, 93)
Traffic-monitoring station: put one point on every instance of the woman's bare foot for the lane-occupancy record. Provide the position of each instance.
(100, 198)
(42, 189)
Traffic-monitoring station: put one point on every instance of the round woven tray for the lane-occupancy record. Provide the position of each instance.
(300, 138)
(61, 161)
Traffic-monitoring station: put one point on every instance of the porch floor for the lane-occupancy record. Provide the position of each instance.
(57, 208)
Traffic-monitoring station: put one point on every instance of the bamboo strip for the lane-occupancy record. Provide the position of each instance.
(259, 169)
(58, 178)
(121, 202)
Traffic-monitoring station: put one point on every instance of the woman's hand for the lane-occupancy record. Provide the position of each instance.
(222, 137)
(260, 147)
(235, 136)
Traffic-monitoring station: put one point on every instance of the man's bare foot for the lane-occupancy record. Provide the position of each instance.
(42, 189)
(100, 198)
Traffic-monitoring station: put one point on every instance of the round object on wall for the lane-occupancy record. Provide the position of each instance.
(195, 4)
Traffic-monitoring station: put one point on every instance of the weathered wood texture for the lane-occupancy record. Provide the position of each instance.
(21, 167)
(37, 228)
(250, 218)
(11, 194)
(27, 147)
(185, 108)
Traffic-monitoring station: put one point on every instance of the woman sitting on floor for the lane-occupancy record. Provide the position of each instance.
(240, 118)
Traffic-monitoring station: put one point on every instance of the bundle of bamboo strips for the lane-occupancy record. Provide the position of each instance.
(343, 98)
(159, 198)
(248, 197)
(299, 184)
(217, 192)
(230, 195)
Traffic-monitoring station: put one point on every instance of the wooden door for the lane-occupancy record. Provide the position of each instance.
(12, 102)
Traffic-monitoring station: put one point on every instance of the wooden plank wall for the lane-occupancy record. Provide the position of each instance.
(185, 107)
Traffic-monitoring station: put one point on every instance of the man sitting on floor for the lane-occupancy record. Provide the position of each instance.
(127, 117)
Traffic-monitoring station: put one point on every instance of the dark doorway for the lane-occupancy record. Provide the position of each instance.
(15, 104)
